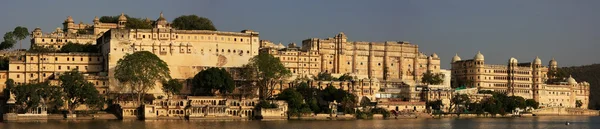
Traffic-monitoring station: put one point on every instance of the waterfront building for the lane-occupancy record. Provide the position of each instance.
(528, 80)
(391, 60)
(75, 33)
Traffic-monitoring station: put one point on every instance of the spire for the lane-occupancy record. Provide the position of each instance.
(122, 17)
(537, 60)
(479, 56)
(455, 58)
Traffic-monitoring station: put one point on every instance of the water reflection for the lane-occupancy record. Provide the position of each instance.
(446, 123)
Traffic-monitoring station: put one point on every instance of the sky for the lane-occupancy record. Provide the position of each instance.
(567, 30)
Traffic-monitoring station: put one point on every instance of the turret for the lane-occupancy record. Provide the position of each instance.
(96, 20)
(69, 25)
(536, 77)
(161, 22)
(122, 21)
(455, 58)
(37, 32)
(552, 64)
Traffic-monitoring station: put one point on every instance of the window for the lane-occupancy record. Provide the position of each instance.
(81, 59)
(90, 59)
(59, 67)
(68, 67)
(55, 58)
(18, 67)
(234, 39)
(18, 76)
(86, 67)
(67, 58)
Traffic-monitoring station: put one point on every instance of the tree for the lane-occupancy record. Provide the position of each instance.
(323, 76)
(435, 105)
(139, 72)
(78, 90)
(8, 42)
(20, 33)
(29, 96)
(82, 31)
(4, 61)
(532, 103)
(432, 79)
(266, 71)
(76, 47)
(132, 23)
(345, 77)
(578, 103)
(192, 22)
(293, 98)
(460, 102)
(172, 87)
(212, 79)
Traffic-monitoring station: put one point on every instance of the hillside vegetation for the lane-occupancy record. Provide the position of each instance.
(588, 73)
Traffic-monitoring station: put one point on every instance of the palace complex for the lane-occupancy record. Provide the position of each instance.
(388, 73)
(529, 80)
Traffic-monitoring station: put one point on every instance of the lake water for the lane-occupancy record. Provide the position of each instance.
(543, 122)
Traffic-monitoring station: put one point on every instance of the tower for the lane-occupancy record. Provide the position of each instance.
(122, 21)
(69, 25)
(537, 78)
(512, 64)
(161, 22)
(479, 61)
(552, 67)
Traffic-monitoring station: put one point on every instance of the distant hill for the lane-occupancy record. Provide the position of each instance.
(590, 74)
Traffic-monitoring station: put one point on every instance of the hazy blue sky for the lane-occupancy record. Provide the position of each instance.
(568, 30)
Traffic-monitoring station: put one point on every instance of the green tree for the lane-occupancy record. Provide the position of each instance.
(40, 49)
(459, 103)
(293, 98)
(345, 77)
(139, 72)
(76, 47)
(20, 33)
(578, 103)
(435, 105)
(192, 22)
(29, 96)
(82, 31)
(78, 90)
(266, 71)
(172, 87)
(8, 42)
(212, 79)
(4, 61)
(323, 76)
(432, 79)
(132, 23)
(532, 103)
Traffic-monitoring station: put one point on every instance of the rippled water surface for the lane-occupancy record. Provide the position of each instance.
(545, 122)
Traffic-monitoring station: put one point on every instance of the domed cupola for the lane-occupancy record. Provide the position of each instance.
(122, 17)
(69, 19)
(553, 62)
(434, 55)
(537, 61)
(513, 60)
(478, 56)
(571, 80)
(455, 58)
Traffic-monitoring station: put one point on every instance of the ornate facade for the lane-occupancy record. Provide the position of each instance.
(185, 51)
(387, 61)
(528, 80)
(75, 33)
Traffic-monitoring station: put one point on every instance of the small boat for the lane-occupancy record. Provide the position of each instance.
(567, 123)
